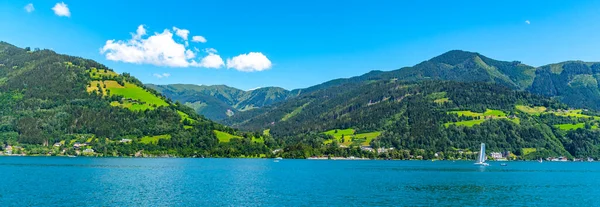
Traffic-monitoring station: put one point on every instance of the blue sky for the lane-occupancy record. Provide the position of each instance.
(296, 44)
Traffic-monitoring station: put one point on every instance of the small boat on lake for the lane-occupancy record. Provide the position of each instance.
(279, 158)
(481, 159)
(503, 164)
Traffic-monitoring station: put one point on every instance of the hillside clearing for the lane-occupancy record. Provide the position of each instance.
(480, 117)
(535, 110)
(568, 127)
(469, 123)
(226, 137)
(527, 151)
(348, 137)
(294, 112)
(154, 139)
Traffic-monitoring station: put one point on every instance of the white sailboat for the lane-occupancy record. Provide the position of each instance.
(481, 160)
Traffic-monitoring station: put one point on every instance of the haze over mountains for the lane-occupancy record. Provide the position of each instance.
(572, 82)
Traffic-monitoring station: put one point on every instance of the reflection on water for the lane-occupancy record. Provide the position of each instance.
(262, 182)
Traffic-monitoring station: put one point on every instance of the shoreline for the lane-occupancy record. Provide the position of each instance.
(273, 158)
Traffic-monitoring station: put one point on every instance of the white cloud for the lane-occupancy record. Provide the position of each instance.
(189, 54)
(212, 60)
(159, 76)
(141, 31)
(253, 61)
(61, 9)
(527, 22)
(210, 50)
(183, 33)
(199, 39)
(159, 49)
(29, 8)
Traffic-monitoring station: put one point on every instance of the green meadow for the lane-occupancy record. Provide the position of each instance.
(153, 139)
(226, 137)
(488, 114)
(441, 100)
(135, 92)
(538, 110)
(527, 151)
(568, 127)
(135, 97)
(577, 113)
(439, 97)
(185, 116)
(349, 137)
(468, 123)
(101, 73)
(535, 110)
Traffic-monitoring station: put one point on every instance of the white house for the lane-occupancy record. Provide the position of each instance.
(496, 155)
(125, 140)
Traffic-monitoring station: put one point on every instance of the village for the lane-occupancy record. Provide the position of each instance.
(84, 149)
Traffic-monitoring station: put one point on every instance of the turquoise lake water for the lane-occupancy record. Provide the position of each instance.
(52, 181)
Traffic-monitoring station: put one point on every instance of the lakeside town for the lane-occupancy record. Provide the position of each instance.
(85, 149)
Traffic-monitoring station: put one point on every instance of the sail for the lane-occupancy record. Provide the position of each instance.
(482, 153)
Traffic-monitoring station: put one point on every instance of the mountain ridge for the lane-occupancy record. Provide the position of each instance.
(217, 102)
(431, 108)
(464, 66)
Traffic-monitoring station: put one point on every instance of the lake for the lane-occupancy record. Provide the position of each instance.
(55, 181)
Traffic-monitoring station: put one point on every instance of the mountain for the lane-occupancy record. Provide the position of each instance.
(573, 82)
(433, 116)
(75, 103)
(468, 67)
(219, 101)
(441, 108)
(442, 100)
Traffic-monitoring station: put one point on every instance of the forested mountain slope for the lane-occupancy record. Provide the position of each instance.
(219, 101)
(573, 82)
(433, 116)
(50, 99)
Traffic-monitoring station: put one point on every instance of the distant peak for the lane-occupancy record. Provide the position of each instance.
(454, 57)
